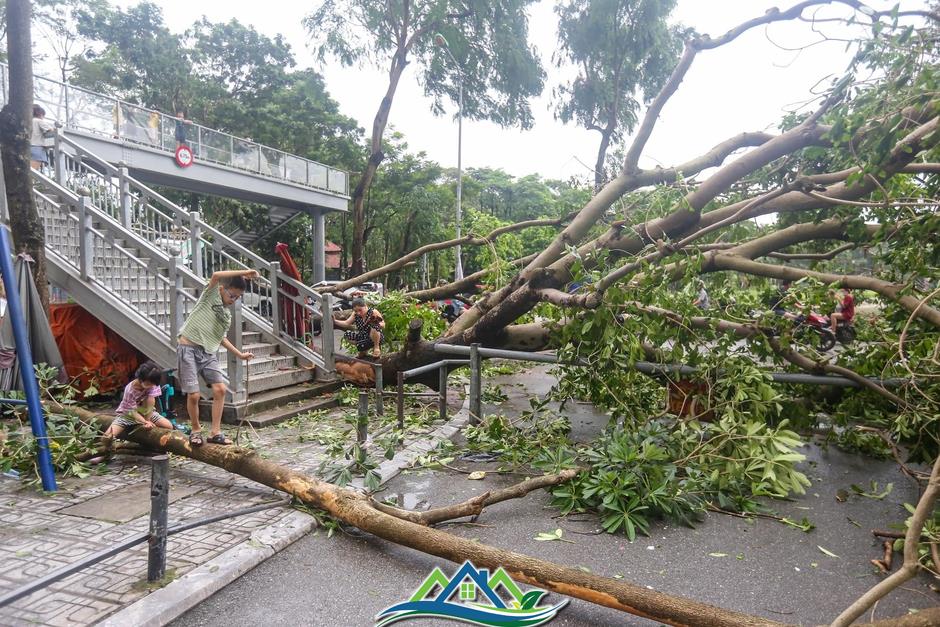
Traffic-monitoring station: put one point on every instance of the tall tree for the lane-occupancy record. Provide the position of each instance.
(15, 128)
(624, 51)
(488, 39)
(56, 23)
(139, 59)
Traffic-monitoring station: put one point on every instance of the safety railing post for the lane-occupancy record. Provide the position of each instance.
(362, 419)
(475, 385)
(236, 373)
(59, 158)
(379, 391)
(86, 244)
(127, 202)
(400, 402)
(176, 297)
(159, 504)
(442, 391)
(326, 331)
(195, 244)
(273, 270)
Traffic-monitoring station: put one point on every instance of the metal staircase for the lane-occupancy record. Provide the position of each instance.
(137, 261)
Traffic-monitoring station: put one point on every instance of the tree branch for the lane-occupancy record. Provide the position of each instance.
(814, 256)
(467, 240)
(474, 507)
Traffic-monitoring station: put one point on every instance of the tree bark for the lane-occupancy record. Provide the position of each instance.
(399, 61)
(474, 507)
(15, 129)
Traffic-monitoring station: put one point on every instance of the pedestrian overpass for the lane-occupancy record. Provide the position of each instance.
(144, 142)
(138, 261)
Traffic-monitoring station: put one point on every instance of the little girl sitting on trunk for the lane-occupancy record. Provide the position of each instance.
(137, 408)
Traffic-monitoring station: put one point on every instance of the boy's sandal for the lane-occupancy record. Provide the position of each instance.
(195, 438)
(219, 438)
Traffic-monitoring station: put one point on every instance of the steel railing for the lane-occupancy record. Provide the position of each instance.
(289, 312)
(89, 112)
(156, 537)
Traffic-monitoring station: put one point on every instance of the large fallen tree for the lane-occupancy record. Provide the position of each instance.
(411, 529)
(844, 196)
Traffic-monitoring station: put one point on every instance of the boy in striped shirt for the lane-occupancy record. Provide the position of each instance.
(202, 334)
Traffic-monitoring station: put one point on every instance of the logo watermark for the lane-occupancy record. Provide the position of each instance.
(472, 596)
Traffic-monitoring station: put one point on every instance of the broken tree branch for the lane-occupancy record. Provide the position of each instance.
(467, 240)
(474, 507)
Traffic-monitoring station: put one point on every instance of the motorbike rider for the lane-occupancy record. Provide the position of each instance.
(845, 310)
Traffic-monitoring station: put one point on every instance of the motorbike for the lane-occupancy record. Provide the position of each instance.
(814, 329)
(817, 327)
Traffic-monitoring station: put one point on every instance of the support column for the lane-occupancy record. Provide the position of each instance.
(319, 245)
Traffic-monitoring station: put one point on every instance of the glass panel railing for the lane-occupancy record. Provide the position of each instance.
(215, 146)
(337, 180)
(296, 169)
(139, 125)
(317, 175)
(89, 112)
(271, 162)
(246, 155)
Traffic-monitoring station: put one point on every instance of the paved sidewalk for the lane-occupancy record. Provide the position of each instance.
(39, 533)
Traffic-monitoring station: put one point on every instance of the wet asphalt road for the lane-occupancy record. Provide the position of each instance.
(760, 566)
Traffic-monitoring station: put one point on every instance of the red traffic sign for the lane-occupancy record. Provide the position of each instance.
(184, 156)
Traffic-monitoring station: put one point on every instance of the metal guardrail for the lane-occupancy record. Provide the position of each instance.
(89, 112)
(443, 368)
(156, 537)
(475, 352)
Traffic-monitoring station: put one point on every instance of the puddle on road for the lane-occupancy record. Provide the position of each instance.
(414, 494)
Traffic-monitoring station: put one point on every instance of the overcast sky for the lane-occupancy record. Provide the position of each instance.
(746, 86)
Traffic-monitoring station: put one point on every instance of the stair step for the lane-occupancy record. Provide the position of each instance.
(278, 379)
(275, 415)
(258, 349)
(308, 390)
(271, 363)
(251, 337)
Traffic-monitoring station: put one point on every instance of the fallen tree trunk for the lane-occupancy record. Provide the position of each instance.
(355, 509)
(390, 524)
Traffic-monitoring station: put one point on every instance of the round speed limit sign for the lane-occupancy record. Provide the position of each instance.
(184, 156)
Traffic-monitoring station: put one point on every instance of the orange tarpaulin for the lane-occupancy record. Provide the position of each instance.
(91, 351)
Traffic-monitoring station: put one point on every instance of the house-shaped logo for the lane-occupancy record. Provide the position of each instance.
(472, 596)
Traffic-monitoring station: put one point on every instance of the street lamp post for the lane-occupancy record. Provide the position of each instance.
(439, 40)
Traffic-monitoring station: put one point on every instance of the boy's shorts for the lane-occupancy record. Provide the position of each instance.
(194, 361)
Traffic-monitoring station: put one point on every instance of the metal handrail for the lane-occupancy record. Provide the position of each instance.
(176, 210)
(443, 368)
(121, 118)
(156, 559)
(194, 228)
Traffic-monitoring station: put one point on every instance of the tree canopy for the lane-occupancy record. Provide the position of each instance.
(623, 51)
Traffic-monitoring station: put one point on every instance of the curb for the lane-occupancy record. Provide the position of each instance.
(162, 606)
